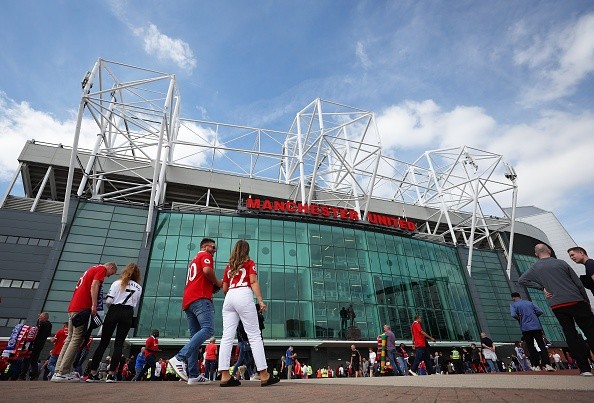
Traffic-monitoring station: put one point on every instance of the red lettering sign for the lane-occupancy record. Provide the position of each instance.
(329, 211)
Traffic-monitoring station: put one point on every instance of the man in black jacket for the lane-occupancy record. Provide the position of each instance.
(44, 330)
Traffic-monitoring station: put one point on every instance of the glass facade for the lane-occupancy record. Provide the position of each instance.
(549, 322)
(99, 233)
(490, 279)
(308, 272)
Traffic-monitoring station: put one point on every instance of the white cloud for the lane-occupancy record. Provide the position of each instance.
(549, 154)
(165, 48)
(561, 59)
(362, 55)
(423, 125)
(19, 122)
(155, 43)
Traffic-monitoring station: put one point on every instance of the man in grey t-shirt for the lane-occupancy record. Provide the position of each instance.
(391, 349)
(567, 298)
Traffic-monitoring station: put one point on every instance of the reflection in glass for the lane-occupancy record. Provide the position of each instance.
(308, 272)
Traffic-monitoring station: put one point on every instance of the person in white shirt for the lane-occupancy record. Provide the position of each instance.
(372, 357)
(304, 371)
(123, 298)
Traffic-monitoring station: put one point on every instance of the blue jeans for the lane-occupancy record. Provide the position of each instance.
(393, 363)
(492, 365)
(80, 358)
(402, 365)
(200, 315)
(244, 351)
(51, 365)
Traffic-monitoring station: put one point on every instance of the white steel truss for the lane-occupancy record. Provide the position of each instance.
(136, 113)
(465, 186)
(331, 154)
(336, 148)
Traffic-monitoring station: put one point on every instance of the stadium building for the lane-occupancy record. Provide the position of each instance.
(331, 219)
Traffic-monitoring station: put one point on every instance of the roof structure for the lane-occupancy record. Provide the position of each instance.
(331, 154)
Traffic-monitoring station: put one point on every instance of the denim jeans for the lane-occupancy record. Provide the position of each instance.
(200, 315)
(492, 365)
(80, 358)
(244, 351)
(402, 365)
(51, 365)
(524, 364)
(393, 363)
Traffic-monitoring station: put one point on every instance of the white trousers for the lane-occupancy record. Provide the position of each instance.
(239, 305)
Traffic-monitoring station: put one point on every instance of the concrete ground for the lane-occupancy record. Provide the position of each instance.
(522, 387)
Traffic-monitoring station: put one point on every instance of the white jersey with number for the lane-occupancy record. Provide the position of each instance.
(129, 296)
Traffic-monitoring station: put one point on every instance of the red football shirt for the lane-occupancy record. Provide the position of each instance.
(152, 343)
(210, 352)
(242, 277)
(81, 299)
(418, 338)
(60, 339)
(197, 285)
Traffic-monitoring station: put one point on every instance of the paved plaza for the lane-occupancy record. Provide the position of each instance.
(542, 387)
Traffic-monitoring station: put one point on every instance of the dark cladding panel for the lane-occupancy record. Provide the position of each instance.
(26, 240)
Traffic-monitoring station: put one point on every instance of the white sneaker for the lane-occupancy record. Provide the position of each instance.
(73, 377)
(536, 368)
(179, 367)
(410, 371)
(549, 368)
(587, 373)
(199, 380)
(58, 378)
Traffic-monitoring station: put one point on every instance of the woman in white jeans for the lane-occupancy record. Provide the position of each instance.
(240, 284)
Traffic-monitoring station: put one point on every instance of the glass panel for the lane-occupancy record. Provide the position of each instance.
(308, 272)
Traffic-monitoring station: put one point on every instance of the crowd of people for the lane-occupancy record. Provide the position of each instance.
(243, 321)
(240, 317)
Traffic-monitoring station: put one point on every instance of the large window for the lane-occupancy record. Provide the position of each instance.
(310, 272)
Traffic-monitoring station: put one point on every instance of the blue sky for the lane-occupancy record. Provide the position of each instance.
(511, 77)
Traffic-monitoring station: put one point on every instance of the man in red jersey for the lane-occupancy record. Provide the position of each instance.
(58, 340)
(420, 337)
(197, 304)
(86, 296)
(151, 348)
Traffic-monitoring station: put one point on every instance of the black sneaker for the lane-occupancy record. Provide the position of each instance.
(110, 378)
(93, 378)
